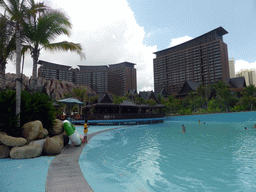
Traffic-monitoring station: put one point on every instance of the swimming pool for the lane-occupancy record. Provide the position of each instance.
(30, 174)
(216, 156)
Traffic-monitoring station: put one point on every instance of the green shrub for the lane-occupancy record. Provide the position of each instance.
(34, 106)
(8, 119)
(185, 112)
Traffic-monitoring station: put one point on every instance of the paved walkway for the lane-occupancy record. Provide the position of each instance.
(64, 173)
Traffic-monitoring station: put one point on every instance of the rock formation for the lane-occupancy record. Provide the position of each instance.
(54, 88)
(13, 141)
(4, 151)
(27, 151)
(32, 130)
(57, 127)
(54, 145)
(35, 141)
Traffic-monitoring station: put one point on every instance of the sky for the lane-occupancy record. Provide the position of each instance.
(115, 31)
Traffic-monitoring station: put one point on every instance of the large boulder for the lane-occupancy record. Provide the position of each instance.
(27, 151)
(44, 134)
(32, 130)
(57, 127)
(2, 134)
(13, 141)
(54, 145)
(4, 151)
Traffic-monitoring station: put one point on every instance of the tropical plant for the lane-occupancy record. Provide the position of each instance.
(7, 46)
(17, 12)
(41, 29)
(118, 100)
(8, 120)
(34, 106)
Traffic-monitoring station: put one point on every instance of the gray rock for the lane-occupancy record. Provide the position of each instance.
(4, 151)
(57, 127)
(32, 130)
(2, 134)
(44, 134)
(13, 141)
(27, 151)
(54, 145)
(53, 88)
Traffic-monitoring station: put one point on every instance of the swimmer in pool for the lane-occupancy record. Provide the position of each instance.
(183, 129)
(245, 128)
(199, 121)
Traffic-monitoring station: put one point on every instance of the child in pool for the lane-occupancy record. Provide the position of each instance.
(183, 129)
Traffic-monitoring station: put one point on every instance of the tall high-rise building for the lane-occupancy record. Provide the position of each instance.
(203, 59)
(232, 68)
(249, 76)
(121, 78)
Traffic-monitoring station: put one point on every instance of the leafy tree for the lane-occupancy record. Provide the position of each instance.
(42, 28)
(118, 100)
(17, 12)
(248, 100)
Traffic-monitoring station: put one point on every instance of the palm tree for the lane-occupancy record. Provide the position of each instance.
(249, 95)
(118, 100)
(7, 46)
(42, 28)
(17, 12)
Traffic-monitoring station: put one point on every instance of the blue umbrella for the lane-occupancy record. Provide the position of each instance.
(70, 102)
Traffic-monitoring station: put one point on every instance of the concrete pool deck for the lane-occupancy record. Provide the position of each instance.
(64, 173)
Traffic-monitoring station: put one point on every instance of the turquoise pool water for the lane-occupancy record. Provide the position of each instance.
(25, 175)
(216, 156)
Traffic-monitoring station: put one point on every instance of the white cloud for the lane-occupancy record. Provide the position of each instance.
(179, 40)
(242, 65)
(109, 34)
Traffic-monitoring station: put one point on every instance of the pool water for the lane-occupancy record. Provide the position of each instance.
(216, 156)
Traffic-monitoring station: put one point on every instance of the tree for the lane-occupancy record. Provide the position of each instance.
(249, 97)
(17, 12)
(41, 29)
(118, 100)
(7, 46)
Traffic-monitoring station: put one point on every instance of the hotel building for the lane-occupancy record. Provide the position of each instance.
(115, 78)
(203, 59)
(121, 78)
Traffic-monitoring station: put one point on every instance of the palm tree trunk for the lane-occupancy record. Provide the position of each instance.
(35, 56)
(2, 76)
(18, 84)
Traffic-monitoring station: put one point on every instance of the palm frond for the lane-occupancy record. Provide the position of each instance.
(66, 46)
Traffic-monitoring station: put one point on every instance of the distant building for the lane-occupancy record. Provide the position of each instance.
(121, 78)
(115, 78)
(49, 70)
(203, 59)
(232, 68)
(95, 77)
(249, 76)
